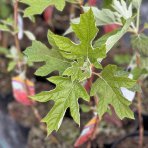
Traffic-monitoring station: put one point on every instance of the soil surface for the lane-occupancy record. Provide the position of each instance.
(108, 132)
(132, 142)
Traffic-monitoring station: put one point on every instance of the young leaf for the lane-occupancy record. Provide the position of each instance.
(38, 52)
(122, 9)
(3, 50)
(11, 66)
(86, 31)
(4, 28)
(144, 63)
(85, 108)
(78, 71)
(108, 87)
(65, 95)
(122, 58)
(38, 6)
(112, 40)
(103, 17)
(137, 72)
(136, 3)
(102, 40)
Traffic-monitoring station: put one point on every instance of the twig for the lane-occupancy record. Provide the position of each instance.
(141, 130)
(97, 74)
(16, 26)
(96, 103)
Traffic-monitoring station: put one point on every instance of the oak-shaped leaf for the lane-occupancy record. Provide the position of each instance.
(52, 59)
(65, 95)
(86, 31)
(108, 88)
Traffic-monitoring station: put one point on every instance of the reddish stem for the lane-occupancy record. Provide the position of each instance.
(141, 130)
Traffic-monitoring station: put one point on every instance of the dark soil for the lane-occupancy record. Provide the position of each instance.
(132, 142)
(109, 132)
(65, 137)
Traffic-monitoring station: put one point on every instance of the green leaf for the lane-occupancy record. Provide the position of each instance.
(122, 59)
(112, 40)
(108, 88)
(4, 51)
(140, 43)
(144, 63)
(136, 3)
(137, 72)
(65, 95)
(4, 28)
(86, 31)
(79, 70)
(72, 1)
(107, 3)
(85, 108)
(5, 9)
(51, 40)
(122, 9)
(11, 66)
(102, 40)
(103, 17)
(38, 6)
(53, 60)
(145, 25)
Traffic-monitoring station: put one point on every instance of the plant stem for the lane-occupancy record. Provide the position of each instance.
(138, 19)
(141, 130)
(16, 26)
(97, 74)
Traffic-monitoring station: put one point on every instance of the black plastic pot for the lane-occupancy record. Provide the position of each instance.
(145, 122)
(127, 136)
(108, 145)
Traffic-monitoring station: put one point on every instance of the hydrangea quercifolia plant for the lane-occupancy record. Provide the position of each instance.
(74, 62)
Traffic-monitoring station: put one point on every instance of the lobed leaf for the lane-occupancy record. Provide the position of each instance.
(86, 31)
(65, 95)
(108, 88)
(38, 6)
(53, 60)
(78, 71)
